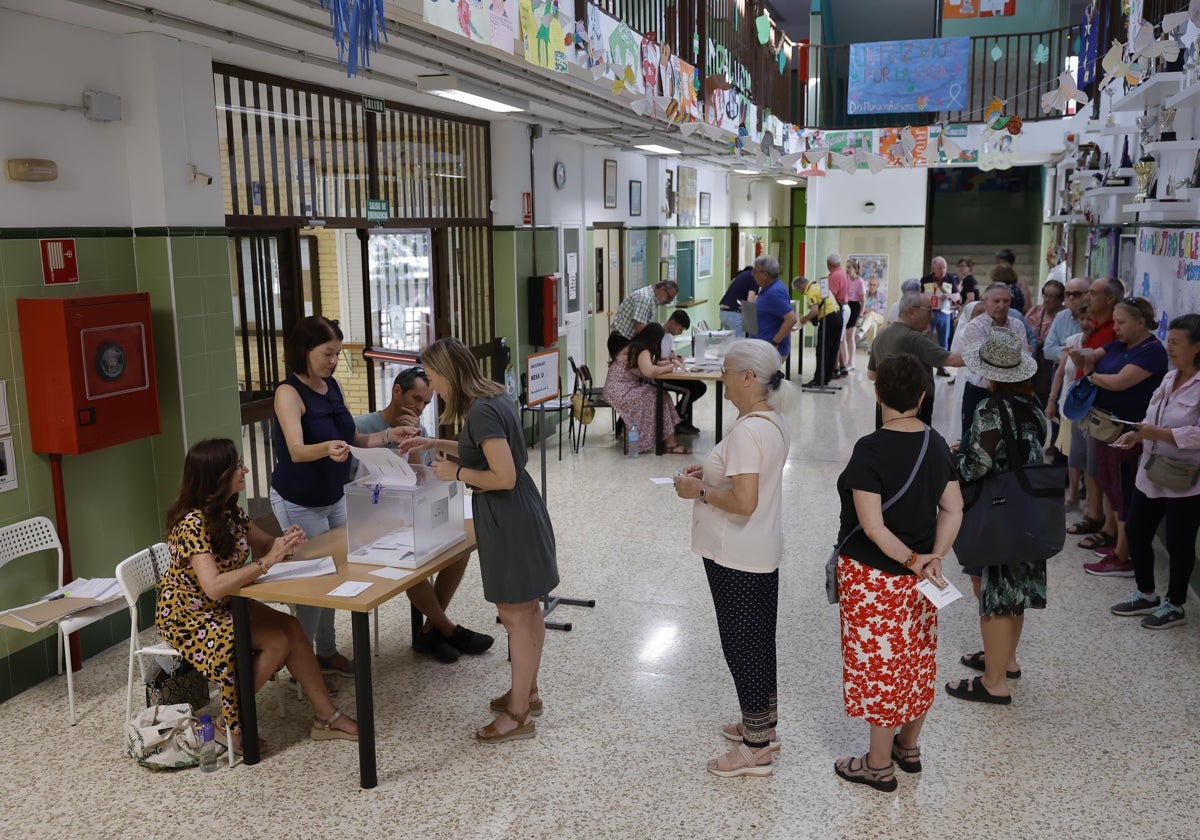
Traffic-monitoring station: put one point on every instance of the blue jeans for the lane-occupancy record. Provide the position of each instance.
(732, 321)
(316, 621)
(941, 329)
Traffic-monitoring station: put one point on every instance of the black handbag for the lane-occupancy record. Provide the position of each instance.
(183, 685)
(1015, 516)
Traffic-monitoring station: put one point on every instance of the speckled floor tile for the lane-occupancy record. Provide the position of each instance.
(1101, 735)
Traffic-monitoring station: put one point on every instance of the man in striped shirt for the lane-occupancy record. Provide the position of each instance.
(636, 311)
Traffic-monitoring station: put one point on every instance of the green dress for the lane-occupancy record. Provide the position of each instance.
(1011, 589)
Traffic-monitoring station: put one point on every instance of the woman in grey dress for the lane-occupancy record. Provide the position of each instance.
(512, 527)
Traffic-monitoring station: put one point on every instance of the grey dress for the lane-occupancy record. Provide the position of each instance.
(512, 527)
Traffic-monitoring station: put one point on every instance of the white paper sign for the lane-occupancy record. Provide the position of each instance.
(541, 377)
(939, 597)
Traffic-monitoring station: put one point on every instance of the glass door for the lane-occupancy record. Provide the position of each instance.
(400, 278)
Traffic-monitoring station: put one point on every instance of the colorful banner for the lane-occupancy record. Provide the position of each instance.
(1166, 271)
(492, 23)
(619, 46)
(891, 147)
(898, 77)
(543, 33)
(962, 9)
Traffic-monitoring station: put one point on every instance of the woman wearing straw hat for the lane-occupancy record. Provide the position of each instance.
(1004, 592)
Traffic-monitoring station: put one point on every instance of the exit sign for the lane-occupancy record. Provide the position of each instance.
(373, 104)
(378, 210)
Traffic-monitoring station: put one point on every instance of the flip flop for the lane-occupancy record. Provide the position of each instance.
(1087, 525)
(1098, 540)
(975, 662)
(974, 691)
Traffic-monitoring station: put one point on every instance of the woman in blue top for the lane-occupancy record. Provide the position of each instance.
(1126, 373)
(312, 434)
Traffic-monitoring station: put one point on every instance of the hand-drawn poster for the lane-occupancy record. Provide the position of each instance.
(966, 148)
(892, 148)
(898, 77)
(619, 45)
(688, 197)
(544, 25)
(483, 21)
(1166, 271)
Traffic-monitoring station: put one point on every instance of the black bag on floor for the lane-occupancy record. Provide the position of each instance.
(183, 685)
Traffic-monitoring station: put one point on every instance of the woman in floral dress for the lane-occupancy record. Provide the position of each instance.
(628, 389)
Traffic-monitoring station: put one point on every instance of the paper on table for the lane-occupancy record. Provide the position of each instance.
(385, 466)
(939, 597)
(296, 569)
(350, 588)
(390, 573)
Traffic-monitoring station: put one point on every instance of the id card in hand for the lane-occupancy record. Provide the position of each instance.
(939, 597)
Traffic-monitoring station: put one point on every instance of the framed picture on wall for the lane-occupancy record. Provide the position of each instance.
(704, 252)
(635, 198)
(705, 209)
(610, 183)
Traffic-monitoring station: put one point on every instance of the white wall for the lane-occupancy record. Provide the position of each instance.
(754, 201)
(838, 199)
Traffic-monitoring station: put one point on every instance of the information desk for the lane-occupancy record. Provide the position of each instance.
(313, 592)
(685, 376)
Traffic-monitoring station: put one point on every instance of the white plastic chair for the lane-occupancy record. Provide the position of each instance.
(137, 574)
(32, 536)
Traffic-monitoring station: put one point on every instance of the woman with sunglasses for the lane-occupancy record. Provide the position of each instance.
(737, 527)
(517, 557)
(210, 539)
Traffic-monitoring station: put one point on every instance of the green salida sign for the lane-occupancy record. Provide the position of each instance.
(378, 210)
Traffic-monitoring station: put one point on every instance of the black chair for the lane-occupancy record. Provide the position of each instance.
(591, 397)
(557, 405)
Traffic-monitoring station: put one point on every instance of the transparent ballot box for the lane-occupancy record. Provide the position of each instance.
(402, 526)
(709, 348)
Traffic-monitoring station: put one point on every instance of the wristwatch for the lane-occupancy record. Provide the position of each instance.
(704, 495)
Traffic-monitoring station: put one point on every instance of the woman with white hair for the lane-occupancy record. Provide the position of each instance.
(737, 527)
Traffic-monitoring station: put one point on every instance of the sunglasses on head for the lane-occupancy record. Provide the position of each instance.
(409, 376)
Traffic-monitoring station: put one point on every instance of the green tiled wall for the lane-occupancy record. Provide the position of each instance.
(116, 497)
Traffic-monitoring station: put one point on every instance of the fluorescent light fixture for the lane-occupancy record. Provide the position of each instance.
(747, 172)
(787, 182)
(449, 87)
(658, 149)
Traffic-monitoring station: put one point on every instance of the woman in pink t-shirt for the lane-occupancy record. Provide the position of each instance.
(856, 291)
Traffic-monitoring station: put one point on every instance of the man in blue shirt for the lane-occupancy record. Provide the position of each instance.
(731, 304)
(776, 317)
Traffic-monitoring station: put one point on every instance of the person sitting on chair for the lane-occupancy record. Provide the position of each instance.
(440, 638)
(688, 392)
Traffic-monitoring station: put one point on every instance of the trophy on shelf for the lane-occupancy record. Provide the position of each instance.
(1146, 122)
(1075, 192)
(1167, 127)
(1195, 182)
(1144, 169)
(1191, 70)
(1114, 178)
(1174, 184)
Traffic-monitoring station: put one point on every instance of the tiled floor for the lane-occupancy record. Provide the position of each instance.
(1101, 740)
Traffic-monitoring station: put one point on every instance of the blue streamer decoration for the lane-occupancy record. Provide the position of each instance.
(357, 25)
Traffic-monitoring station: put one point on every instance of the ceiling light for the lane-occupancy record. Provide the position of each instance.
(658, 149)
(747, 172)
(787, 182)
(449, 87)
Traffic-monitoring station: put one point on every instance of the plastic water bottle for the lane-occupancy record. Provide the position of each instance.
(208, 744)
(632, 440)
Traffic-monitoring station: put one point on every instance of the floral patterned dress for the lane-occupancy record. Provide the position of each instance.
(626, 390)
(195, 625)
(1011, 589)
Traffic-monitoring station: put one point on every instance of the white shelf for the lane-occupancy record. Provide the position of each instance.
(1188, 96)
(1070, 218)
(1160, 206)
(1086, 174)
(1172, 146)
(1152, 92)
(1118, 130)
(1125, 171)
(1187, 193)
(1128, 189)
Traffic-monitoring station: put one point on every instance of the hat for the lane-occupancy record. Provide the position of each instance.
(1079, 399)
(1000, 357)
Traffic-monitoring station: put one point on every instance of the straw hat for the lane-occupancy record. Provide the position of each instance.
(1000, 357)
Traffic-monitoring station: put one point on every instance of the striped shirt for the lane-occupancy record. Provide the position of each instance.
(639, 307)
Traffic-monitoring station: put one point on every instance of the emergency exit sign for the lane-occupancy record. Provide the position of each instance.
(373, 104)
(377, 210)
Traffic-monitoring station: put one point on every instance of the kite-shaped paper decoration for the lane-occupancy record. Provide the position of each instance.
(687, 129)
(739, 140)
(625, 80)
(1041, 54)
(789, 161)
(908, 143)
(1057, 99)
(1174, 21)
(1145, 46)
(947, 146)
(994, 109)
(876, 163)
(846, 163)
(997, 53)
(762, 25)
(1115, 67)
(782, 61)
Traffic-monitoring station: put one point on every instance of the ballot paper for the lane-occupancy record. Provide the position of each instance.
(392, 549)
(663, 480)
(389, 573)
(295, 569)
(939, 597)
(350, 588)
(384, 466)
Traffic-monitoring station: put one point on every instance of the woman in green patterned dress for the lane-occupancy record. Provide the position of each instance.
(1004, 592)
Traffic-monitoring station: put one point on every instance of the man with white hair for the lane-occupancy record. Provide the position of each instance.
(773, 305)
(912, 285)
(941, 289)
(839, 280)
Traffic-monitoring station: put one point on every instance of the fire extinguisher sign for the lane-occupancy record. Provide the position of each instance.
(59, 262)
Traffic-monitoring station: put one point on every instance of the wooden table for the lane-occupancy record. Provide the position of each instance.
(684, 376)
(313, 592)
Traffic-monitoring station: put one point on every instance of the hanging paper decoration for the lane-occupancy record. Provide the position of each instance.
(1041, 54)
(739, 141)
(946, 146)
(625, 80)
(1174, 21)
(762, 25)
(782, 61)
(1144, 46)
(356, 25)
(1066, 91)
(994, 109)
(1115, 67)
(997, 53)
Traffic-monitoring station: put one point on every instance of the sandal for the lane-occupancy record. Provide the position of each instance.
(734, 733)
(1100, 539)
(880, 778)
(678, 449)
(322, 730)
(974, 661)
(975, 691)
(743, 761)
(500, 704)
(491, 735)
(1087, 525)
(907, 759)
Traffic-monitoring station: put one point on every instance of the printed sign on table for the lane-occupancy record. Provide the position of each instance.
(897, 77)
(541, 372)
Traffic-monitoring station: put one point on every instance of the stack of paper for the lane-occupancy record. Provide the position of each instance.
(394, 549)
(76, 596)
(295, 569)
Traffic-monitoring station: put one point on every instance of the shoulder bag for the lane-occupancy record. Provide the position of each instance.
(831, 584)
(1103, 426)
(163, 738)
(1169, 473)
(1014, 516)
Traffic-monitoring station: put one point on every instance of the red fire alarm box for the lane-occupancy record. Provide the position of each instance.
(543, 310)
(89, 371)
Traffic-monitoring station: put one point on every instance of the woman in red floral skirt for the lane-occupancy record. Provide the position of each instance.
(889, 629)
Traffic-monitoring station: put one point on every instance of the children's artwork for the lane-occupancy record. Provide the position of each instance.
(957, 147)
(544, 25)
(620, 48)
(1166, 271)
(899, 77)
(482, 21)
(8, 466)
(688, 197)
(704, 257)
(895, 143)
(872, 267)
